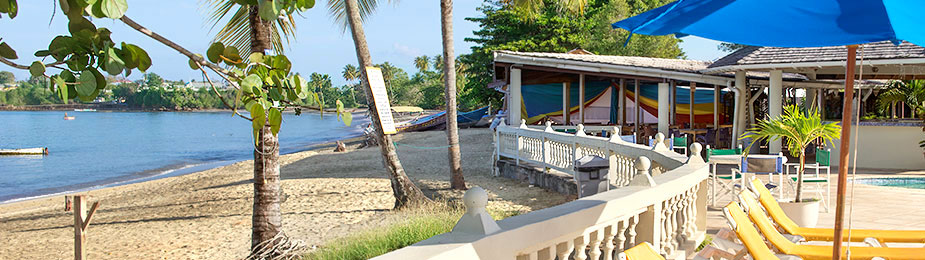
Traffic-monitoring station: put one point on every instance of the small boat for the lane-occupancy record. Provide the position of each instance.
(69, 117)
(422, 124)
(470, 118)
(85, 110)
(25, 151)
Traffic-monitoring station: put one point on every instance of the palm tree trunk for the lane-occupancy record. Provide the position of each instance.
(449, 79)
(406, 193)
(266, 219)
(799, 196)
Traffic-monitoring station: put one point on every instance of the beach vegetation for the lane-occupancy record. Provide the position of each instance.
(404, 229)
(799, 128)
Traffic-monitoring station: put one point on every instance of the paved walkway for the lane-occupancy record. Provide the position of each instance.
(875, 207)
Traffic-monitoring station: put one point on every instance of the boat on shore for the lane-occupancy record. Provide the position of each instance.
(25, 151)
(84, 110)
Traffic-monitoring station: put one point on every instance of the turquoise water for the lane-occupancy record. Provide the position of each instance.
(912, 183)
(101, 149)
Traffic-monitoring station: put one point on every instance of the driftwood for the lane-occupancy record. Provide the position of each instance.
(279, 247)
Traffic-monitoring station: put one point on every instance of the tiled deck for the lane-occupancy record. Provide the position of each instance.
(875, 207)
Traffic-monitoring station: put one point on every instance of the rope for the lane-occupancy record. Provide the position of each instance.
(421, 147)
(854, 166)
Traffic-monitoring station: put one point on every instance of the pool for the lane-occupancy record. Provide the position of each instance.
(911, 182)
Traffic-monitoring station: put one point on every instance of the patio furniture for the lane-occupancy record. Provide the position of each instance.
(821, 184)
(749, 236)
(629, 138)
(642, 251)
(748, 166)
(826, 234)
(679, 143)
(787, 246)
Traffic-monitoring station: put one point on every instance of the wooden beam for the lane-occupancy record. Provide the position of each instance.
(566, 110)
(601, 74)
(622, 99)
(636, 124)
(581, 98)
(691, 103)
(716, 93)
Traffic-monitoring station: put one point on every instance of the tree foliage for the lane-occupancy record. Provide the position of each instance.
(506, 27)
(7, 77)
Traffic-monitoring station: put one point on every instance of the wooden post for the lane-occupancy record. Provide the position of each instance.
(843, 152)
(81, 222)
(622, 104)
(566, 99)
(673, 95)
(693, 91)
(716, 94)
(636, 109)
(581, 98)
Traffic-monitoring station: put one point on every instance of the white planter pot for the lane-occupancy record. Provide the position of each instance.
(804, 214)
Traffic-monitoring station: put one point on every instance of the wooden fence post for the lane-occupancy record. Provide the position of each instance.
(81, 221)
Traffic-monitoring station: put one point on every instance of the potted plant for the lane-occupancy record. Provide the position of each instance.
(799, 128)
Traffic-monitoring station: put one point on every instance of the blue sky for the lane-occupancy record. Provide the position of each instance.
(397, 33)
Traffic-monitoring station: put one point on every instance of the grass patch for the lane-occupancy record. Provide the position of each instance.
(408, 228)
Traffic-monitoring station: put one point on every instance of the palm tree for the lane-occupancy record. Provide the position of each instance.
(405, 192)
(449, 80)
(911, 93)
(350, 73)
(533, 7)
(799, 128)
(246, 30)
(422, 63)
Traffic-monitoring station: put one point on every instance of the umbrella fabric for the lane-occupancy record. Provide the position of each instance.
(786, 23)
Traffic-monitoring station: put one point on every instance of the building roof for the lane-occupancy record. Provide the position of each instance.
(693, 66)
(753, 55)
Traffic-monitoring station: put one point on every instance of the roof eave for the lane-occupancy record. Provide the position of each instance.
(817, 64)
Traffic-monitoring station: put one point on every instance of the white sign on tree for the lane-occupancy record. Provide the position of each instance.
(381, 99)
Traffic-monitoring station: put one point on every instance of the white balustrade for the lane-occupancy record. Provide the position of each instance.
(661, 200)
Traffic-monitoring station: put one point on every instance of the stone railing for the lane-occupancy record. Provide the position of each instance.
(550, 149)
(667, 210)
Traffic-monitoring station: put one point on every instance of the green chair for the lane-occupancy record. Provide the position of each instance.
(820, 184)
(679, 143)
(710, 151)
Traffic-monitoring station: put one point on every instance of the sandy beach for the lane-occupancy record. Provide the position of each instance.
(207, 215)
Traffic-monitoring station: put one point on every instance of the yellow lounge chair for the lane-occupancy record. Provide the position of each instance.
(818, 251)
(823, 234)
(642, 251)
(749, 236)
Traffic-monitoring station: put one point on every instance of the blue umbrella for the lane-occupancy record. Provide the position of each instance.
(793, 23)
(786, 23)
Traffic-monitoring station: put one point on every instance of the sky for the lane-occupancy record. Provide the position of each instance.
(397, 32)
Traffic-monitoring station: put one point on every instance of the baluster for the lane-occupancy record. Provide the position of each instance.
(692, 217)
(564, 249)
(621, 234)
(666, 227)
(675, 223)
(632, 232)
(608, 240)
(595, 251)
(546, 253)
(581, 243)
(683, 217)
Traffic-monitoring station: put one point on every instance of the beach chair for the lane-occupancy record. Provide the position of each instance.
(823, 234)
(820, 252)
(643, 251)
(629, 138)
(679, 143)
(729, 185)
(820, 184)
(711, 151)
(749, 236)
(668, 143)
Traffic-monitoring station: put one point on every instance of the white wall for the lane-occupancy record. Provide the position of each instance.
(885, 147)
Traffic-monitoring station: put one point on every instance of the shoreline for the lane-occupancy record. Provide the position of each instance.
(169, 171)
(124, 108)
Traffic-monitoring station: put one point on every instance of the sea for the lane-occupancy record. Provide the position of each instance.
(102, 149)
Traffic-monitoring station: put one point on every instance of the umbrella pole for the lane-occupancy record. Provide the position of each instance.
(843, 152)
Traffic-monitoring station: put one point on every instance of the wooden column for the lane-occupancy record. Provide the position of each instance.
(663, 110)
(674, 101)
(566, 103)
(693, 91)
(581, 98)
(716, 93)
(622, 101)
(775, 105)
(638, 106)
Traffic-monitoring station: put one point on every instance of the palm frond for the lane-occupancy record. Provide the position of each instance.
(799, 128)
(338, 11)
(235, 29)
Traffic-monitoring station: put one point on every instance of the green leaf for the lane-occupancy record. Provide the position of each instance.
(256, 57)
(347, 118)
(258, 114)
(274, 94)
(86, 83)
(91, 97)
(251, 83)
(231, 55)
(100, 80)
(78, 24)
(304, 5)
(6, 51)
(282, 63)
(62, 88)
(276, 119)
(135, 57)
(114, 65)
(215, 52)
(114, 8)
(193, 64)
(302, 86)
(37, 69)
(9, 7)
(95, 8)
(268, 10)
